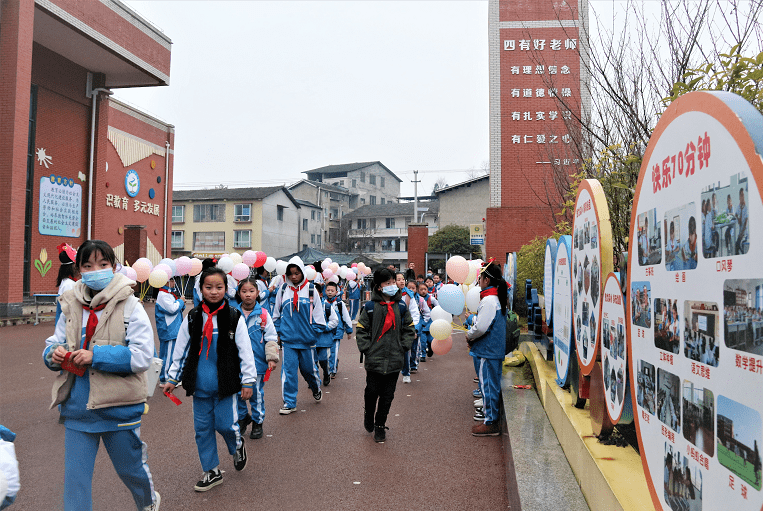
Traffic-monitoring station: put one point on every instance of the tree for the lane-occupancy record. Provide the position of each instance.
(440, 183)
(453, 239)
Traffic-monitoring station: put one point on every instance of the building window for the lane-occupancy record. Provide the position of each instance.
(312, 214)
(178, 239)
(209, 213)
(341, 182)
(372, 179)
(209, 242)
(304, 246)
(312, 239)
(279, 213)
(178, 214)
(362, 177)
(242, 239)
(383, 200)
(362, 201)
(372, 198)
(373, 223)
(304, 224)
(242, 213)
(382, 181)
(318, 240)
(390, 223)
(354, 183)
(334, 214)
(361, 223)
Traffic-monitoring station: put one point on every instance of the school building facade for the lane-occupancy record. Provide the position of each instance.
(75, 163)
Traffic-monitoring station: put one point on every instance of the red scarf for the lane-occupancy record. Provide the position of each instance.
(92, 322)
(209, 327)
(169, 292)
(491, 291)
(389, 319)
(295, 296)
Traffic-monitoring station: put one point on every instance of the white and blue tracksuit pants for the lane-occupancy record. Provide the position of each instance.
(294, 359)
(334, 357)
(321, 354)
(257, 401)
(425, 340)
(354, 308)
(212, 414)
(165, 353)
(128, 455)
(489, 373)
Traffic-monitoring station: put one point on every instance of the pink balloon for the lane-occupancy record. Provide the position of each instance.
(367, 270)
(183, 265)
(196, 266)
(457, 268)
(441, 347)
(240, 271)
(165, 268)
(142, 269)
(353, 265)
(249, 257)
(327, 273)
(130, 273)
(334, 267)
(351, 275)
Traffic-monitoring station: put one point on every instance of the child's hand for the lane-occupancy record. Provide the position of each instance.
(58, 355)
(82, 357)
(271, 365)
(246, 393)
(169, 388)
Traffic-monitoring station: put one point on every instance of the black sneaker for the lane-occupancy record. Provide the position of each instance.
(430, 353)
(244, 423)
(368, 422)
(256, 431)
(239, 459)
(210, 480)
(333, 375)
(379, 434)
(479, 415)
(326, 379)
(318, 395)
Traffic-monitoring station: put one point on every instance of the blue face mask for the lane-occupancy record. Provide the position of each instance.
(98, 279)
(389, 290)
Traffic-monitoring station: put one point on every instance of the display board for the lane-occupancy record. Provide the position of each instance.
(510, 276)
(60, 205)
(613, 352)
(562, 305)
(548, 279)
(695, 286)
(591, 259)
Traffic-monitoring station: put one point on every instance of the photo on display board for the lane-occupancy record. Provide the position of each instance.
(618, 341)
(587, 232)
(681, 238)
(575, 236)
(592, 327)
(739, 437)
(594, 239)
(605, 372)
(595, 287)
(682, 481)
(667, 325)
(699, 417)
(620, 385)
(575, 265)
(605, 334)
(577, 324)
(641, 298)
(645, 386)
(669, 399)
(574, 298)
(649, 238)
(743, 315)
(725, 222)
(586, 274)
(701, 335)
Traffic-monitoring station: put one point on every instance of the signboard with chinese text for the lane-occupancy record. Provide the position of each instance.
(613, 352)
(548, 278)
(562, 305)
(60, 207)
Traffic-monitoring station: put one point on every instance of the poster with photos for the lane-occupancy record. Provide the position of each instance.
(695, 329)
(613, 353)
(592, 255)
(562, 305)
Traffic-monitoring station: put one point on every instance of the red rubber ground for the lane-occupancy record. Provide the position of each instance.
(318, 458)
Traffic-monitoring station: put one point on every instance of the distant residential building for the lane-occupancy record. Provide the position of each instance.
(211, 222)
(371, 181)
(333, 203)
(464, 203)
(310, 225)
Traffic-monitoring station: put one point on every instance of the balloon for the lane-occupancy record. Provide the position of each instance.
(196, 266)
(170, 264)
(334, 268)
(240, 271)
(440, 329)
(343, 271)
(261, 258)
(334, 279)
(442, 346)
(354, 269)
(165, 268)
(183, 265)
(351, 276)
(281, 267)
(147, 261)
(236, 258)
(473, 272)
(158, 277)
(354, 265)
(249, 258)
(473, 299)
(226, 264)
(327, 262)
(327, 274)
(310, 273)
(451, 299)
(142, 269)
(457, 268)
(440, 313)
(270, 264)
(130, 273)
(367, 270)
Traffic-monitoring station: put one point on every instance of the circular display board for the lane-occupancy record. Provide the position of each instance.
(613, 361)
(591, 258)
(563, 310)
(510, 276)
(548, 279)
(695, 284)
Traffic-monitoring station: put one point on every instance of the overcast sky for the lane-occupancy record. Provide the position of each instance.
(261, 91)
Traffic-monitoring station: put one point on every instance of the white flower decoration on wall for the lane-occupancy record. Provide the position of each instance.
(43, 158)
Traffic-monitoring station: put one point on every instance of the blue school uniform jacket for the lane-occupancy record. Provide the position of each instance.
(261, 330)
(299, 326)
(326, 338)
(489, 329)
(168, 313)
(344, 324)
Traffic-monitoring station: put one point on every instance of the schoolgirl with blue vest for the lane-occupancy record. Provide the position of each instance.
(264, 339)
(353, 295)
(101, 348)
(326, 338)
(168, 314)
(299, 318)
(344, 325)
(213, 357)
(487, 342)
(425, 339)
(406, 296)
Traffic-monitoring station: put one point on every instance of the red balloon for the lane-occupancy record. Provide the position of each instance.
(261, 258)
(441, 347)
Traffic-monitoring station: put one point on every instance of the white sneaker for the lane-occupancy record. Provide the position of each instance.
(155, 505)
(478, 403)
(406, 379)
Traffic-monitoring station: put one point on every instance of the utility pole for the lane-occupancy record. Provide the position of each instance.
(415, 196)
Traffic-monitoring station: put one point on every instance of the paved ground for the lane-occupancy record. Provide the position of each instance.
(318, 458)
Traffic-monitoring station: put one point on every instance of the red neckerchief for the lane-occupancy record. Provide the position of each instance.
(92, 322)
(389, 319)
(295, 296)
(491, 291)
(209, 327)
(169, 292)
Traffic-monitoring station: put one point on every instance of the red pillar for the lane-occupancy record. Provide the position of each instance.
(136, 244)
(16, 36)
(418, 244)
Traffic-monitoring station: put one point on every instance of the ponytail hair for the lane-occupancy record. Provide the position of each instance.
(493, 272)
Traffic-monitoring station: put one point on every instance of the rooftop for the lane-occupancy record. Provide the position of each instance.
(326, 186)
(393, 209)
(344, 168)
(251, 193)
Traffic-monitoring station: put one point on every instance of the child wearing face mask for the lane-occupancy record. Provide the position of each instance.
(385, 333)
(102, 346)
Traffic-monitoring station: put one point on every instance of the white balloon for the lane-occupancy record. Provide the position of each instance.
(440, 329)
(473, 299)
(281, 267)
(440, 313)
(236, 258)
(334, 279)
(270, 264)
(343, 271)
(310, 273)
(226, 264)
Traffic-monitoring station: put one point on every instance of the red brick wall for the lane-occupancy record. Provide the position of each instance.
(418, 244)
(532, 10)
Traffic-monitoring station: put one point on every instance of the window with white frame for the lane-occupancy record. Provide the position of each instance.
(304, 224)
(242, 239)
(242, 212)
(209, 213)
(178, 239)
(178, 214)
(372, 198)
(390, 223)
(372, 179)
(279, 213)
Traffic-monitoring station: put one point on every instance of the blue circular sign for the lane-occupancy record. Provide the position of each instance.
(132, 183)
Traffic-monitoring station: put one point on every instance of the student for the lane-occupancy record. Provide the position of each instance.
(263, 293)
(168, 314)
(385, 333)
(106, 340)
(689, 249)
(299, 318)
(213, 357)
(205, 264)
(9, 468)
(405, 298)
(353, 295)
(343, 326)
(264, 339)
(67, 272)
(437, 283)
(487, 340)
(326, 338)
(425, 339)
(424, 319)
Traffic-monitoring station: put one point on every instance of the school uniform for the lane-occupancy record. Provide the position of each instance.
(344, 326)
(406, 299)
(263, 293)
(353, 295)
(425, 339)
(168, 314)
(425, 319)
(213, 370)
(326, 339)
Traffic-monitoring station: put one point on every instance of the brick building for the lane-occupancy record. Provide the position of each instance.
(537, 98)
(75, 163)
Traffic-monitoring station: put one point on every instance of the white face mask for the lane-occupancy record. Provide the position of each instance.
(389, 290)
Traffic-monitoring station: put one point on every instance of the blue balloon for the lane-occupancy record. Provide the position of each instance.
(451, 298)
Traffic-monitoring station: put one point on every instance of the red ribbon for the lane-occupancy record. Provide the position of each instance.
(209, 327)
(491, 291)
(389, 319)
(92, 322)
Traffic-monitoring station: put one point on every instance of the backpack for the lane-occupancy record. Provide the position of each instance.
(512, 331)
